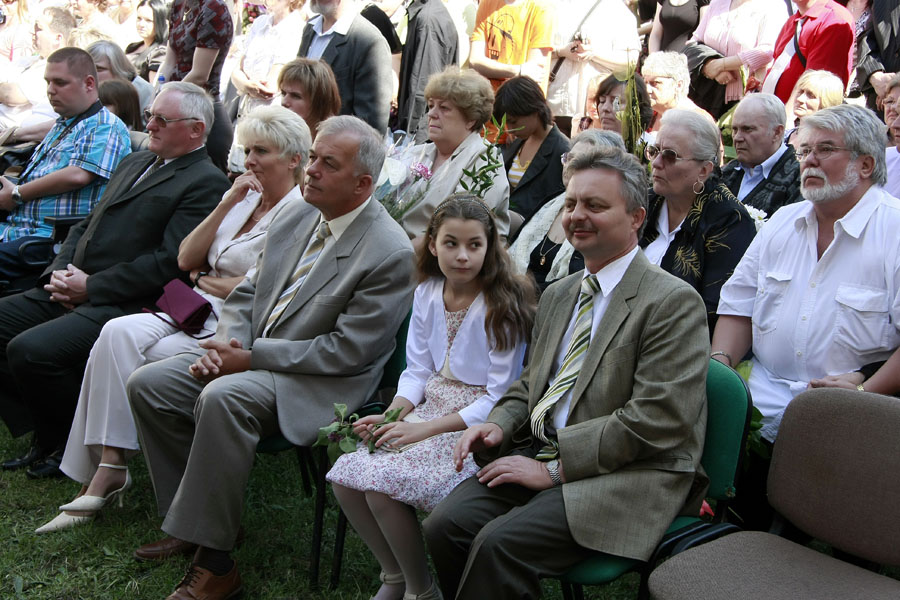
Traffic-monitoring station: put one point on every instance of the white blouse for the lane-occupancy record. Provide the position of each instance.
(473, 359)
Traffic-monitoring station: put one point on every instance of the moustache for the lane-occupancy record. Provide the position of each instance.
(812, 172)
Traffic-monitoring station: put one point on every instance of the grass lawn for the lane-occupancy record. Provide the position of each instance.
(94, 562)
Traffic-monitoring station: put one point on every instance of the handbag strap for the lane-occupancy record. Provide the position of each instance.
(561, 60)
(797, 51)
(172, 323)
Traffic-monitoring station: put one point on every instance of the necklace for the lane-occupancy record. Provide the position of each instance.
(544, 253)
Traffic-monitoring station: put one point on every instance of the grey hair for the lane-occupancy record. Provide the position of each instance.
(634, 175)
(595, 138)
(864, 134)
(282, 128)
(771, 105)
(705, 136)
(668, 64)
(195, 102)
(119, 65)
(370, 156)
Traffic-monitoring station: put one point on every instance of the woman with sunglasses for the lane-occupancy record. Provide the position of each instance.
(695, 228)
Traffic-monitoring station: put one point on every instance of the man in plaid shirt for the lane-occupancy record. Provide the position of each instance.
(70, 168)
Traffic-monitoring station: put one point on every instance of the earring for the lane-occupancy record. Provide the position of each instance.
(702, 186)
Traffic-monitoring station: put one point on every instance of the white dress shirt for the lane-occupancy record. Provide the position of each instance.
(472, 358)
(814, 317)
(321, 39)
(656, 250)
(608, 277)
(753, 176)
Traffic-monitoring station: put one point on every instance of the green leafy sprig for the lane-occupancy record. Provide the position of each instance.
(339, 437)
(481, 179)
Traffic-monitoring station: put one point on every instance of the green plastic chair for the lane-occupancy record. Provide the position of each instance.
(728, 422)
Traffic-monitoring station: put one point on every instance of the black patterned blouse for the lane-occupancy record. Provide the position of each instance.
(713, 238)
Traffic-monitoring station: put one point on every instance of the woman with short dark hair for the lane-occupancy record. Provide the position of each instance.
(533, 158)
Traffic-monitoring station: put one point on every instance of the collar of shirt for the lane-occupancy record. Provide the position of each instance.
(856, 219)
(815, 11)
(767, 164)
(341, 26)
(339, 225)
(609, 276)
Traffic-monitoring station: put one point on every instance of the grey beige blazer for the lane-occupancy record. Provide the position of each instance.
(634, 435)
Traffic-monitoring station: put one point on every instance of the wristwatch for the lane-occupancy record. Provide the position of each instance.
(17, 195)
(199, 275)
(553, 470)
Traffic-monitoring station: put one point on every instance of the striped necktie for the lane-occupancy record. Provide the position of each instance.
(303, 268)
(568, 371)
(154, 167)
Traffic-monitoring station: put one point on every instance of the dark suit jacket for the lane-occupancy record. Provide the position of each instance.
(542, 180)
(361, 61)
(634, 435)
(780, 188)
(128, 245)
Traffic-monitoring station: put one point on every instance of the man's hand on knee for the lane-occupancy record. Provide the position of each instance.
(220, 359)
(525, 471)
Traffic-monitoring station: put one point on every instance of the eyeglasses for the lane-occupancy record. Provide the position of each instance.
(163, 121)
(668, 156)
(820, 151)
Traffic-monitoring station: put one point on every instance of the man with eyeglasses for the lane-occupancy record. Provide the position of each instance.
(765, 174)
(113, 263)
(816, 297)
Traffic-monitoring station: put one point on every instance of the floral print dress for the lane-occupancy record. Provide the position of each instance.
(422, 474)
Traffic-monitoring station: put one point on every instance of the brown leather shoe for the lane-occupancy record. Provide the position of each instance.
(164, 548)
(201, 584)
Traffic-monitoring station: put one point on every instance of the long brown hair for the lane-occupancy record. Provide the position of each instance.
(511, 299)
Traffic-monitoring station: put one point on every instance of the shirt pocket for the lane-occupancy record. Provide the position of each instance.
(862, 318)
(769, 300)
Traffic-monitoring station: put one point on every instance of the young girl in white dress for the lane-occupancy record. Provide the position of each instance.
(470, 323)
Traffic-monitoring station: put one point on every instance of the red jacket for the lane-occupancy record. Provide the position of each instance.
(826, 41)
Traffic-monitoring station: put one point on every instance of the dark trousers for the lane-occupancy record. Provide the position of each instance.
(499, 542)
(221, 135)
(43, 352)
(11, 263)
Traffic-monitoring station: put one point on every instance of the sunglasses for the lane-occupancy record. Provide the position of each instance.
(668, 156)
(163, 121)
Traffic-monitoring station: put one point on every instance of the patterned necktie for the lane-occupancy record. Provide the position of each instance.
(303, 268)
(156, 166)
(568, 371)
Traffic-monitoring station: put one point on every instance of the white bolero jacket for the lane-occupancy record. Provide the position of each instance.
(473, 360)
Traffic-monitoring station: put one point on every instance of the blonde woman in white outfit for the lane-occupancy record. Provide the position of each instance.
(219, 253)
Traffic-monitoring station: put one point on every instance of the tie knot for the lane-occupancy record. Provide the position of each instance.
(590, 285)
(323, 231)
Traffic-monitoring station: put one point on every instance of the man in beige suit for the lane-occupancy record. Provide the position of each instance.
(315, 324)
(597, 446)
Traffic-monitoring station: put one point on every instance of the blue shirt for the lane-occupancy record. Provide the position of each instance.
(96, 144)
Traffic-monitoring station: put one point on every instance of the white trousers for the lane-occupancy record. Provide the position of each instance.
(103, 417)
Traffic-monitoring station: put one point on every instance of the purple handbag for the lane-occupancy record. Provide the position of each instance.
(188, 309)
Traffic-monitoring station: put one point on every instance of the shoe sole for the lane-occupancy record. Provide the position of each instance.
(166, 556)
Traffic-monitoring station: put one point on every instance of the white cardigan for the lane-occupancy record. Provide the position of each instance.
(472, 359)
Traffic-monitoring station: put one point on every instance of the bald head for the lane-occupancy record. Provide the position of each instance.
(758, 128)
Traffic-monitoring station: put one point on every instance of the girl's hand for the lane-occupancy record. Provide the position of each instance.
(363, 427)
(401, 433)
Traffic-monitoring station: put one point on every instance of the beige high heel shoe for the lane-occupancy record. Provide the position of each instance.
(95, 503)
(432, 593)
(390, 579)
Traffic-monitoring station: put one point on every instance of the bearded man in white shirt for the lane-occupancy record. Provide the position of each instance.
(816, 297)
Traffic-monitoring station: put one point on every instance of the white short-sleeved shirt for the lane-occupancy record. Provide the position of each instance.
(815, 317)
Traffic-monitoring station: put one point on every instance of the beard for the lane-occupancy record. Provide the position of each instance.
(326, 10)
(829, 191)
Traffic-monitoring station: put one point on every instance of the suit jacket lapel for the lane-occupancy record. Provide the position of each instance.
(306, 40)
(556, 328)
(540, 160)
(331, 51)
(616, 313)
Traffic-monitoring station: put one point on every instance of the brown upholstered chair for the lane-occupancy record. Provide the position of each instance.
(835, 475)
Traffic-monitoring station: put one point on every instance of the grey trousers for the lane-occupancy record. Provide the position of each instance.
(199, 442)
(499, 542)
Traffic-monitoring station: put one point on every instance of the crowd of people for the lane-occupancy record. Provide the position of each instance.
(576, 204)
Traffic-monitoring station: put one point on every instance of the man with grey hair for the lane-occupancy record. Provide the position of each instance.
(113, 263)
(816, 297)
(315, 322)
(597, 446)
(765, 174)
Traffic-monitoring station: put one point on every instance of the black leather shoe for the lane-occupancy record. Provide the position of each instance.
(34, 454)
(48, 467)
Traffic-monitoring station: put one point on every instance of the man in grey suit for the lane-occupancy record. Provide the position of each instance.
(597, 446)
(316, 322)
(357, 53)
